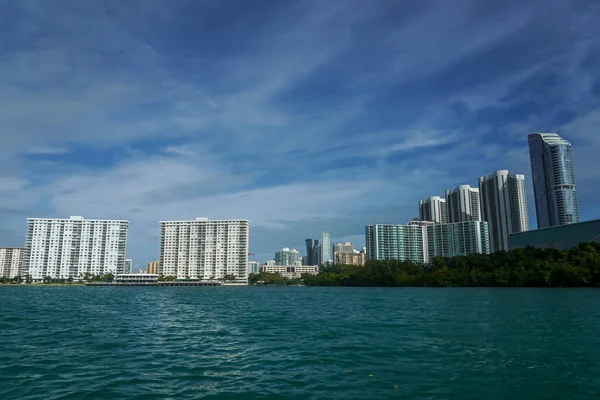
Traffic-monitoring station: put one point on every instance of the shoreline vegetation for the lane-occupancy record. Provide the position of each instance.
(527, 267)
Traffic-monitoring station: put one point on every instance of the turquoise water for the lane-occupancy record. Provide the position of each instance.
(298, 343)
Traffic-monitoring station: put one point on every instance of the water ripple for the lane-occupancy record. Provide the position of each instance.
(298, 343)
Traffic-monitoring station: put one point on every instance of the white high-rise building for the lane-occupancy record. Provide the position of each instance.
(463, 204)
(326, 248)
(503, 206)
(204, 249)
(10, 262)
(433, 209)
(69, 248)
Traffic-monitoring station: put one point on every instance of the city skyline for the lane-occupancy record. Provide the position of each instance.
(115, 110)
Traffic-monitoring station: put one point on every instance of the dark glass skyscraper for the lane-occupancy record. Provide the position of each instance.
(310, 252)
(553, 180)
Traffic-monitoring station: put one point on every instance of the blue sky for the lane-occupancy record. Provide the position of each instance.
(302, 116)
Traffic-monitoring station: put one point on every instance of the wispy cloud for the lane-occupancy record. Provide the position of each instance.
(302, 116)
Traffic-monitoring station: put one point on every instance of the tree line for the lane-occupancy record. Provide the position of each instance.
(527, 267)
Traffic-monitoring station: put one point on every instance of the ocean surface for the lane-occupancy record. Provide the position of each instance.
(298, 343)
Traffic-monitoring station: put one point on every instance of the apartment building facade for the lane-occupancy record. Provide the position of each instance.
(11, 259)
(204, 249)
(69, 248)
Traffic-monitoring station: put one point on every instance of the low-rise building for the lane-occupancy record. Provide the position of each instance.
(136, 279)
(290, 271)
(561, 237)
(11, 259)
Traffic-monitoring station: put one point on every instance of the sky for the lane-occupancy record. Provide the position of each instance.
(301, 116)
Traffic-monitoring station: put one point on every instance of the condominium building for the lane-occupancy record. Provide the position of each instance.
(69, 248)
(420, 242)
(503, 206)
(433, 209)
(354, 258)
(456, 239)
(11, 259)
(463, 204)
(287, 256)
(553, 180)
(204, 249)
(395, 242)
(326, 248)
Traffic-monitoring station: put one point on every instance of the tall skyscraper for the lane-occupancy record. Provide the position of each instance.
(310, 249)
(433, 209)
(503, 206)
(10, 262)
(204, 248)
(69, 248)
(287, 256)
(553, 180)
(463, 204)
(326, 248)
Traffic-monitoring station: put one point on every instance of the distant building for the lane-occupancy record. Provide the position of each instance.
(456, 239)
(316, 253)
(270, 263)
(561, 237)
(128, 266)
(433, 209)
(326, 248)
(462, 204)
(136, 279)
(253, 267)
(310, 250)
(290, 271)
(395, 242)
(69, 248)
(354, 258)
(553, 180)
(152, 267)
(204, 249)
(503, 206)
(420, 241)
(345, 247)
(287, 256)
(11, 259)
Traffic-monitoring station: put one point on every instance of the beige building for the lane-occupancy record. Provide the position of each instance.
(290, 271)
(351, 258)
(152, 267)
(10, 262)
